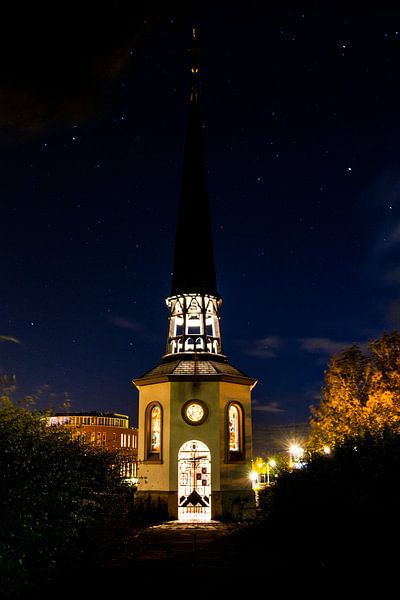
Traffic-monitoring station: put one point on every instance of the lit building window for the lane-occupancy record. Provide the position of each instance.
(199, 344)
(234, 429)
(155, 430)
(235, 432)
(189, 345)
(194, 325)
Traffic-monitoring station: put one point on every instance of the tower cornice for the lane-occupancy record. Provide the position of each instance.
(247, 381)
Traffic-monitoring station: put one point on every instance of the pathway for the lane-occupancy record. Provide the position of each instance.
(194, 545)
(173, 558)
(192, 557)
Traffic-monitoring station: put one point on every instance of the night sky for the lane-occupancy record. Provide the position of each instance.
(301, 112)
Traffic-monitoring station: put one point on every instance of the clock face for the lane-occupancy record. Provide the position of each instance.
(194, 412)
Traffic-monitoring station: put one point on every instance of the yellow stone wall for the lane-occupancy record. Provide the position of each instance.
(172, 395)
(151, 475)
(235, 475)
(207, 432)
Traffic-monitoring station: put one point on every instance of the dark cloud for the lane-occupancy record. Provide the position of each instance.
(265, 347)
(392, 276)
(57, 61)
(322, 345)
(126, 324)
(8, 338)
(318, 345)
(271, 407)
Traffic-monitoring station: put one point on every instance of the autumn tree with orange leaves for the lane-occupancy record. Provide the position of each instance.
(361, 394)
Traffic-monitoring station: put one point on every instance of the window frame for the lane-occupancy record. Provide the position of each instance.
(233, 456)
(151, 456)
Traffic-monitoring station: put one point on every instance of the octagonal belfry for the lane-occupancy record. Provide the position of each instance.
(195, 432)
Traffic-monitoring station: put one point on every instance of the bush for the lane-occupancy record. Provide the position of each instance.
(337, 515)
(61, 501)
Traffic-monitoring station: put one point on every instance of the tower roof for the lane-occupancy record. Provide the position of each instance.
(201, 367)
(194, 269)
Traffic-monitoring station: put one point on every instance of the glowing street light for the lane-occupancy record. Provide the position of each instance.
(254, 484)
(296, 452)
(254, 477)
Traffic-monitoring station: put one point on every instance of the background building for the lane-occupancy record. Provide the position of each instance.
(109, 430)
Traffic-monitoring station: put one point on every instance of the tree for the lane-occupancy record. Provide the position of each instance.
(337, 517)
(61, 500)
(361, 394)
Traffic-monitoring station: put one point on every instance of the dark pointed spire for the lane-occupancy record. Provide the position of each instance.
(194, 269)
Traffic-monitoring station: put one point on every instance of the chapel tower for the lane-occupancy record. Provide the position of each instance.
(194, 446)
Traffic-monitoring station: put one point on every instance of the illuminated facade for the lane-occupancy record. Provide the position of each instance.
(195, 433)
(109, 430)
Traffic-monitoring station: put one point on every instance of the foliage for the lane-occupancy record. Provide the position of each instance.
(146, 511)
(337, 516)
(259, 465)
(61, 501)
(280, 463)
(361, 394)
(268, 469)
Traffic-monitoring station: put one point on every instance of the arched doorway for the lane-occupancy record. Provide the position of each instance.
(194, 482)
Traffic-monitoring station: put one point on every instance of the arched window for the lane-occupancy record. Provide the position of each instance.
(155, 429)
(199, 344)
(235, 432)
(154, 432)
(189, 345)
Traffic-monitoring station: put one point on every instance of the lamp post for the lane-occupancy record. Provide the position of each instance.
(270, 463)
(254, 484)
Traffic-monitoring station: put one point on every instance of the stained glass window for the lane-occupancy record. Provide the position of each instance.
(155, 429)
(194, 412)
(234, 428)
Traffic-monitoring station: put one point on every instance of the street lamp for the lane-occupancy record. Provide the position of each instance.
(295, 454)
(254, 485)
(254, 477)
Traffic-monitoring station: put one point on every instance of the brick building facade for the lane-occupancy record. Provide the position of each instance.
(109, 430)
